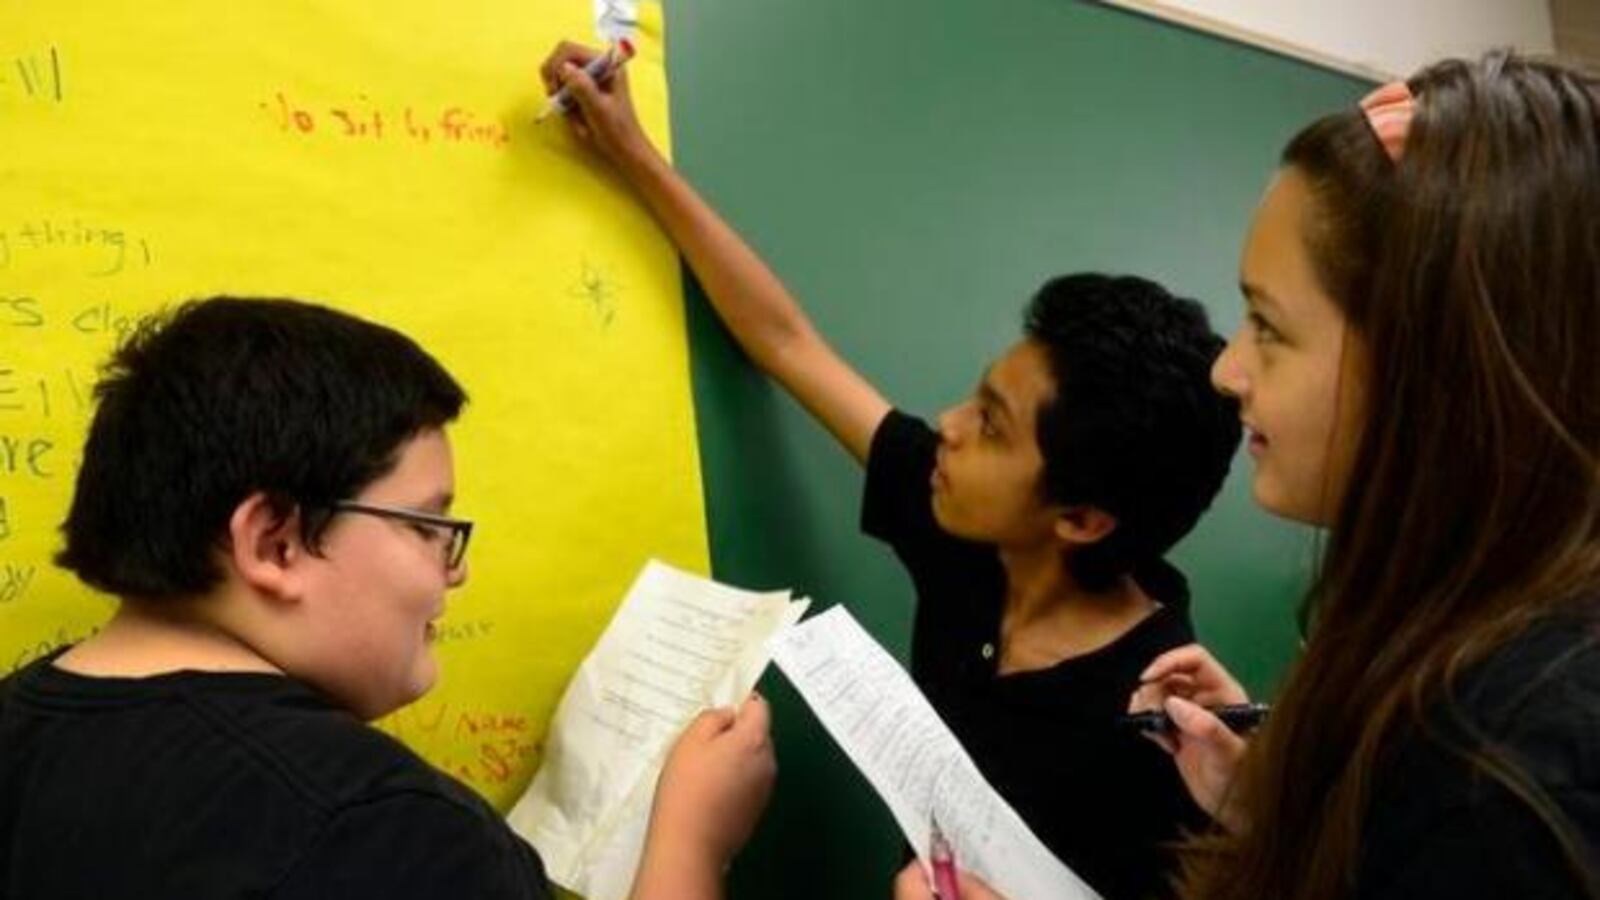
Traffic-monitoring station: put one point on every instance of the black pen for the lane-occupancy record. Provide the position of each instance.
(1239, 717)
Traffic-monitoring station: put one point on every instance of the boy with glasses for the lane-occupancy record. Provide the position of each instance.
(266, 487)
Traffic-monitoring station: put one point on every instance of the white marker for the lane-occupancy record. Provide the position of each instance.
(599, 68)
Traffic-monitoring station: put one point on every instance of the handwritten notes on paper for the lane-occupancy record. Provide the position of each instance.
(889, 730)
(677, 645)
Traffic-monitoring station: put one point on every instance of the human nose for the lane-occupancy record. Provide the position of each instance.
(950, 423)
(1228, 373)
(456, 575)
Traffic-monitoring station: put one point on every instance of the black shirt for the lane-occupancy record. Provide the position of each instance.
(216, 785)
(1102, 798)
(1437, 827)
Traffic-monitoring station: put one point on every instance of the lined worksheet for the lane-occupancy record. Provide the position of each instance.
(678, 644)
(894, 736)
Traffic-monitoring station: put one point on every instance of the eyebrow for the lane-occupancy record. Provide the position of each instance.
(440, 501)
(988, 394)
(1257, 295)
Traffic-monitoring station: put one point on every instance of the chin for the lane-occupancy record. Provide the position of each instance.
(1270, 497)
(955, 527)
(427, 676)
(941, 517)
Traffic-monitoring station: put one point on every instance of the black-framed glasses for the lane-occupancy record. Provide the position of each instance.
(455, 531)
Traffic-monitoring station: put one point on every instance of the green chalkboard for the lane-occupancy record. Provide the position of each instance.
(914, 170)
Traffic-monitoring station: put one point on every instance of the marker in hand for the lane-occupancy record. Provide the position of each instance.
(600, 68)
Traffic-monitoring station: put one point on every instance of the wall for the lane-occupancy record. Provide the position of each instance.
(1383, 38)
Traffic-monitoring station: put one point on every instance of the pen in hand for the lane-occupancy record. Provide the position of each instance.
(1239, 717)
(943, 861)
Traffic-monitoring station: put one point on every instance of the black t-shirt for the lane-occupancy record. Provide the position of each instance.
(1437, 827)
(1103, 799)
(216, 785)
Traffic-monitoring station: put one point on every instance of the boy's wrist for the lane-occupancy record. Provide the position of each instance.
(673, 866)
(639, 159)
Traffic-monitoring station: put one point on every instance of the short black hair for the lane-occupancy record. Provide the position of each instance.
(200, 408)
(1135, 427)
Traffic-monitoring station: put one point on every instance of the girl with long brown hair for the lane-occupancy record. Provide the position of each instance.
(1419, 370)
(1419, 373)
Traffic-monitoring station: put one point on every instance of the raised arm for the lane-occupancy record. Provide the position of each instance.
(754, 305)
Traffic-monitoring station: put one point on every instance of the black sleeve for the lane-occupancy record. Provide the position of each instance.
(1445, 828)
(896, 505)
(416, 846)
(1494, 848)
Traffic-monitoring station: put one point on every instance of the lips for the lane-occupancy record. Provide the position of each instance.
(938, 479)
(1256, 441)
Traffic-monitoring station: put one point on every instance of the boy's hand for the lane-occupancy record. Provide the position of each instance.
(601, 115)
(716, 781)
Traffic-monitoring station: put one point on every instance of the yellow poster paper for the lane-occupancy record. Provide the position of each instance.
(382, 159)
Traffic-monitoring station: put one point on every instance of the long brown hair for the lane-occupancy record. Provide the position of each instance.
(1469, 273)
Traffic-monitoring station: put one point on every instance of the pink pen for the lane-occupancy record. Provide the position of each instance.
(943, 861)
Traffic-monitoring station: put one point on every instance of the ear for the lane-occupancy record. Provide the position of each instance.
(265, 547)
(1083, 525)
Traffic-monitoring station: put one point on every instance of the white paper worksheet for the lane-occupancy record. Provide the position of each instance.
(890, 731)
(677, 645)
